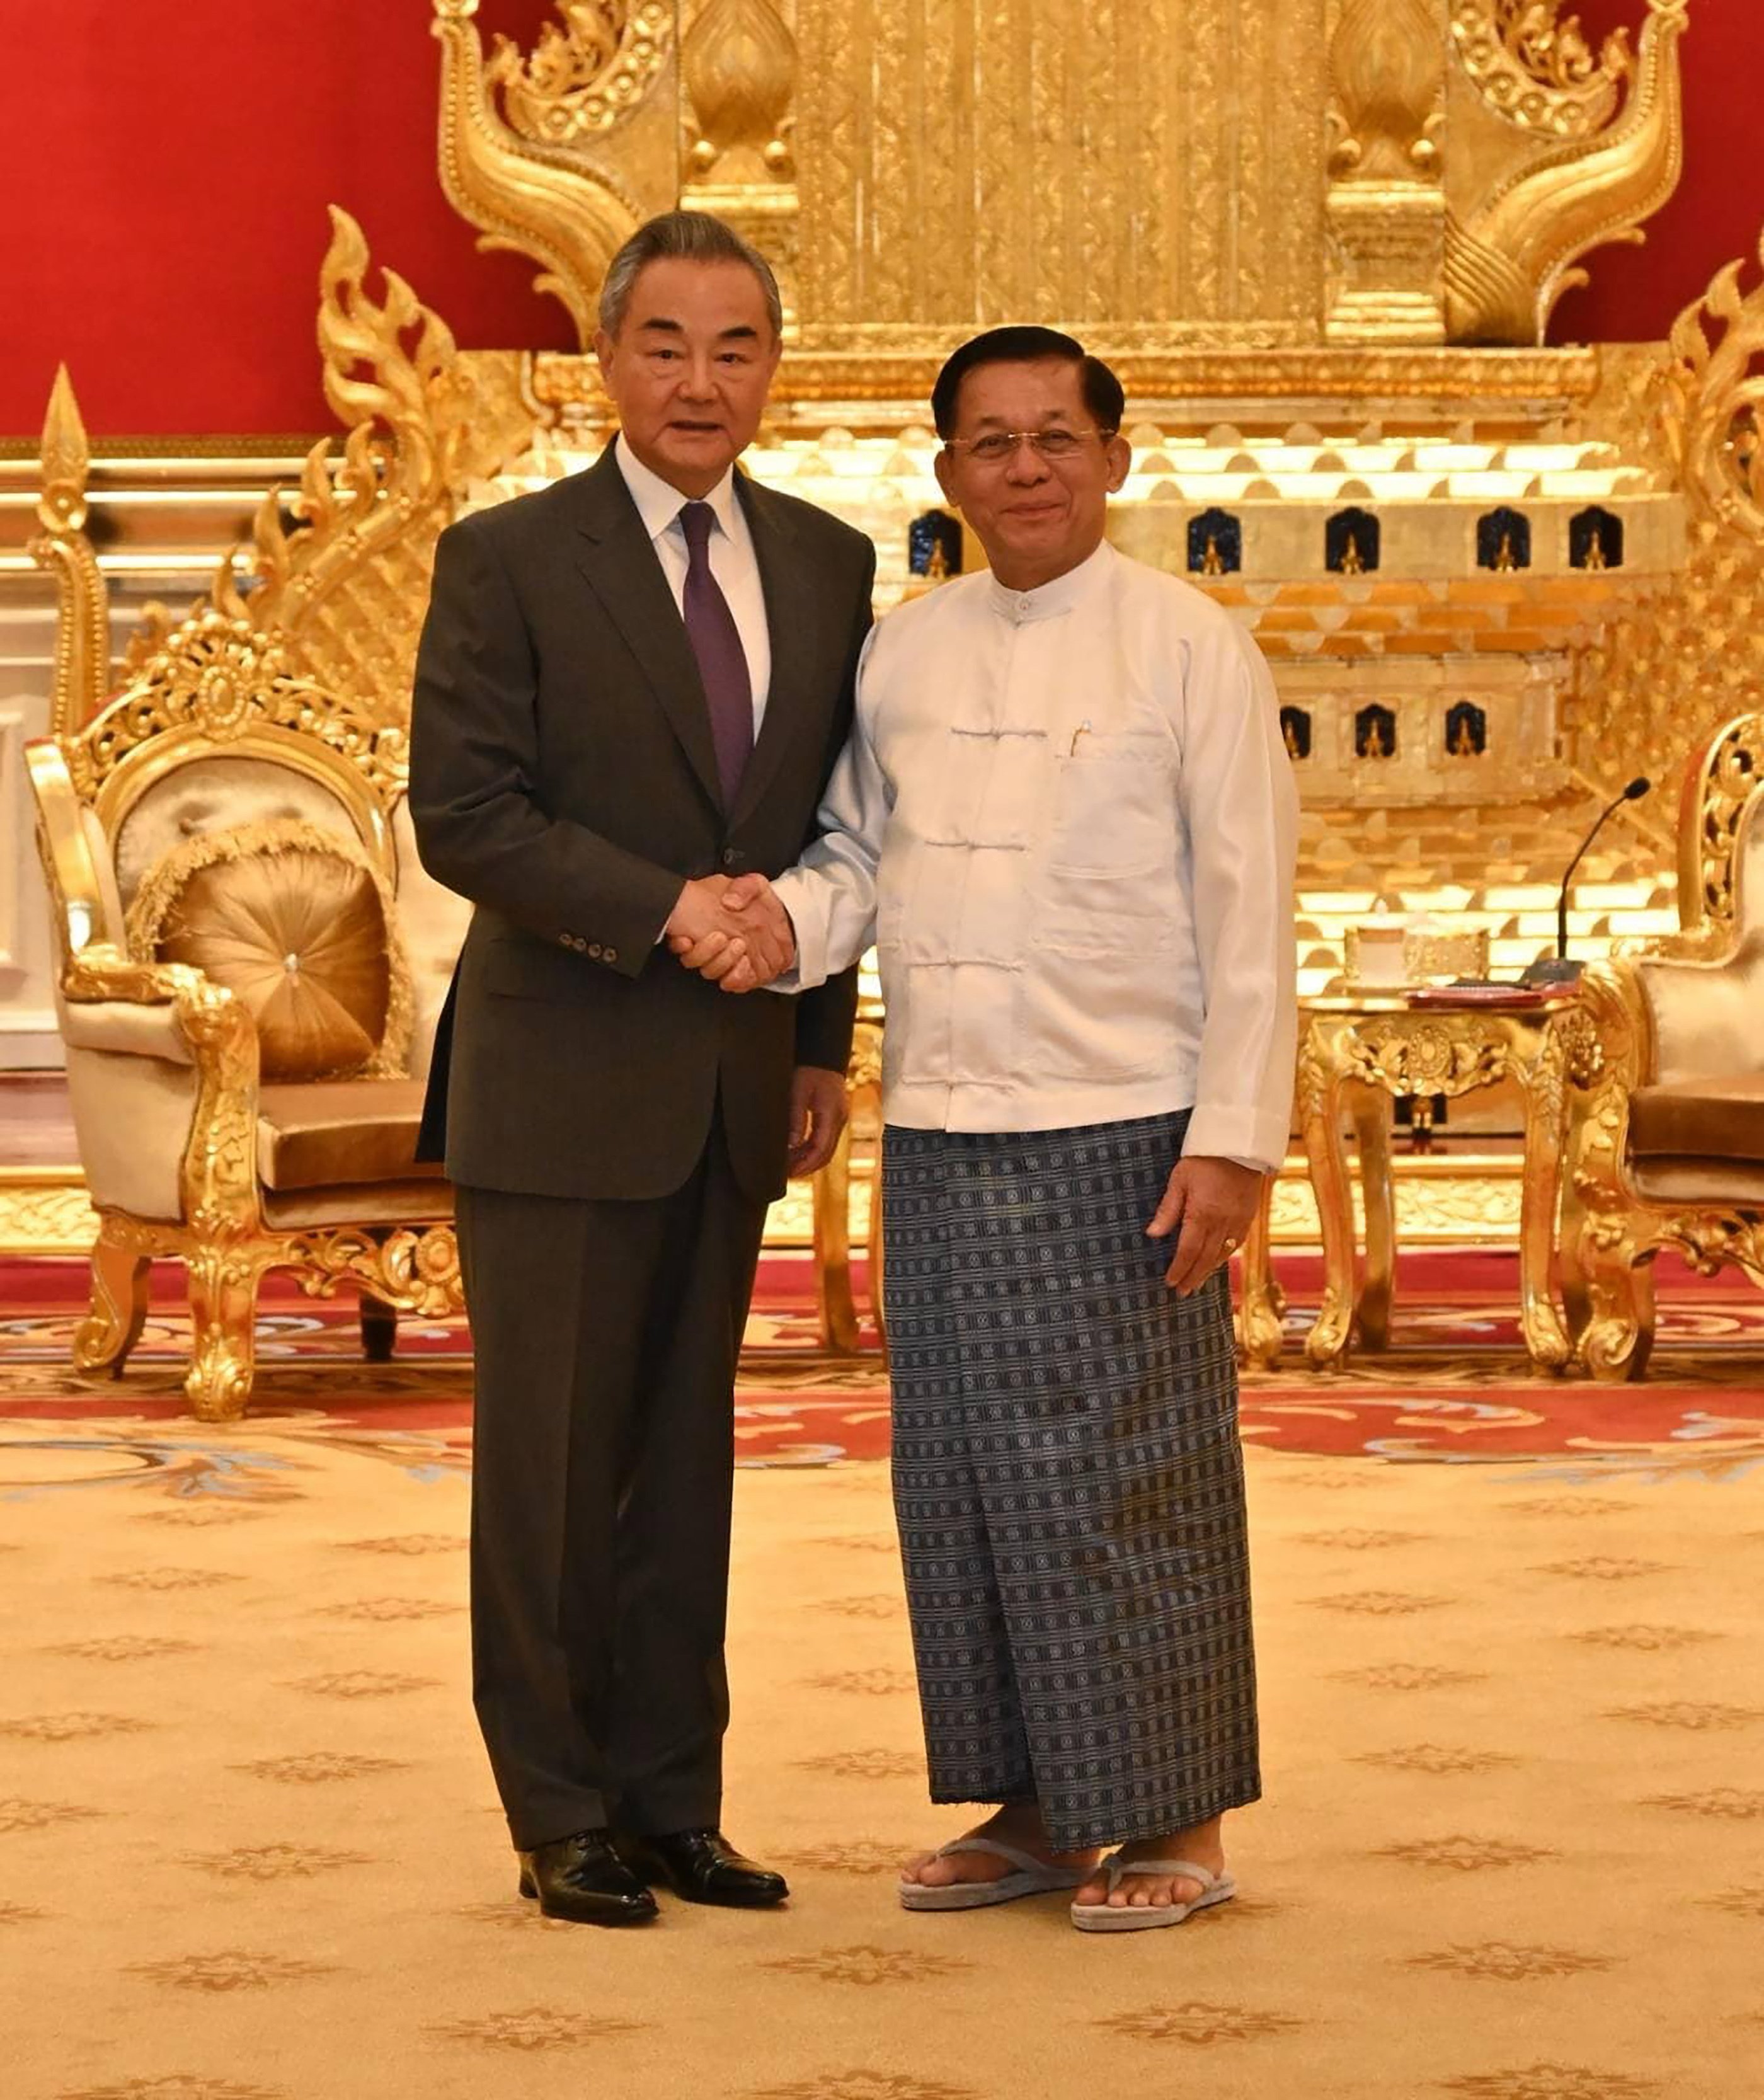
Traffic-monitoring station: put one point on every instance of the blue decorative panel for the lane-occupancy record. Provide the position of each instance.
(1215, 545)
(1353, 542)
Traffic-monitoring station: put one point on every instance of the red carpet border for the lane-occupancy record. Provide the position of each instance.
(1455, 1389)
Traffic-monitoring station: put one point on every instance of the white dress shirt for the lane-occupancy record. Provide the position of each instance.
(1067, 817)
(733, 562)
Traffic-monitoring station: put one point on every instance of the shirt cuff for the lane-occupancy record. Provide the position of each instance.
(1250, 1137)
(797, 893)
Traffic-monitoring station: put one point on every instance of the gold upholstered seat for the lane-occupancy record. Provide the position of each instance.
(250, 965)
(1670, 1145)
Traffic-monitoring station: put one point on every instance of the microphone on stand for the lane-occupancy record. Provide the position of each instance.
(1557, 969)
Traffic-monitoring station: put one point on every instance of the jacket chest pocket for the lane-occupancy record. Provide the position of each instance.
(1113, 801)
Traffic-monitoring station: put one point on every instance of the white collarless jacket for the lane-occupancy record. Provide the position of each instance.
(1067, 819)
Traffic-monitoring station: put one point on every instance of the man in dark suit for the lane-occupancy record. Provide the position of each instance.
(632, 688)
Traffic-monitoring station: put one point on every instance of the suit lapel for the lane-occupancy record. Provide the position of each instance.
(616, 556)
(791, 620)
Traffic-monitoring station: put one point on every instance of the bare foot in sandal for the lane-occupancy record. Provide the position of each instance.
(1017, 1824)
(1202, 1843)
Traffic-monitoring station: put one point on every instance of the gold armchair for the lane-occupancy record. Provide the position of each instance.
(1670, 1145)
(195, 1141)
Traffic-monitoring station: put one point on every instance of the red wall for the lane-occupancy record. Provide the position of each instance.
(165, 165)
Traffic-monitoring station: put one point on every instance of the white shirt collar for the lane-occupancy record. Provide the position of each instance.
(1049, 599)
(659, 503)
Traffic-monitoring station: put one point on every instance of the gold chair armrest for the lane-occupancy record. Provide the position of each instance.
(103, 973)
(217, 1180)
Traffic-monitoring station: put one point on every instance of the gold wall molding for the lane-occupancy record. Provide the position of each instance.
(1252, 383)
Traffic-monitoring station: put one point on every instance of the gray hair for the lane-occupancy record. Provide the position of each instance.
(685, 236)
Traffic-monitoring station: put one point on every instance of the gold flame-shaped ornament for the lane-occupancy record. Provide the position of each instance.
(739, 62)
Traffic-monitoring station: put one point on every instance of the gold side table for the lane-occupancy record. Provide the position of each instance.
(835, 1308)
(1356, 1052)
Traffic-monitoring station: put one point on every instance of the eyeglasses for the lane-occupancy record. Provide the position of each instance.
(996, 447)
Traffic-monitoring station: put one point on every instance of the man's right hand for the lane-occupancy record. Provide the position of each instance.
(735, 932)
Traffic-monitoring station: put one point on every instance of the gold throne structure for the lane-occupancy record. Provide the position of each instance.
(1321, 239)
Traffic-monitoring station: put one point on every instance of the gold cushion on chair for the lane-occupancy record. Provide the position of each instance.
(339, 1132)
(1718, 1119)
(295, 922)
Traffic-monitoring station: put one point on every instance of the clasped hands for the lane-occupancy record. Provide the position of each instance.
(733, 933)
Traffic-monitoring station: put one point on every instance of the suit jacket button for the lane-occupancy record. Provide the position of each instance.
(593, 948)
(729, 856)
(611, 955)
(567, 939)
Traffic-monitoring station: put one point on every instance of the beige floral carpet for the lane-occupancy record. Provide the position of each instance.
(1511, 1850)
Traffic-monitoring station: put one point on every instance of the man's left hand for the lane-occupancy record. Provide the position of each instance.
(817, 1117)
(1209, 1205)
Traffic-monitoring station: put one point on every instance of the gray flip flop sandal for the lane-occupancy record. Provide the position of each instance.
(1032, 1877)
(1146, 1918)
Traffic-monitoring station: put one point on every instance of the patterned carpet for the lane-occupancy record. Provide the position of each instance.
(1455, 1389)
(1513, 1710)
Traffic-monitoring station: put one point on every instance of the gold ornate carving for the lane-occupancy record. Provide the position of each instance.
(217, 679)
(1692, 651)
(414, 1269)
(1539, 70)
(567, 165)
(82, 632)
(1513, 237)
(45, 1210)
(1387, 111)
(1713, 399)
(584, 78)
(343, 591)
(1724, 780)
(965, 161)
(738, 63)
(1386, 208)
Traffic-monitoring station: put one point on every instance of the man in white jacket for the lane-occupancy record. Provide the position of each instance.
(1067, 819)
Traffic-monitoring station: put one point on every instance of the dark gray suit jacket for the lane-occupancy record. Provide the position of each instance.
(562, 777)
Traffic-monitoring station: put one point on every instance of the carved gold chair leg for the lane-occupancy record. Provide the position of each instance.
(379, 1329)
(224, 1282)
(1259, 1321)
(1320, 1114)
(1577, 1285)
(836, 1313)
(1619, 1336)
(118, 1312)
(1370, 1109)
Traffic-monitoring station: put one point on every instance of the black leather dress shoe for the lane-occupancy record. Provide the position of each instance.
(582, 1878)
(703, 1867)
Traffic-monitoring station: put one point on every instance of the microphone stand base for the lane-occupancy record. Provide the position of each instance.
(1551, 970)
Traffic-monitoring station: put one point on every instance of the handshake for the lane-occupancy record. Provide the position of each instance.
(735, 933)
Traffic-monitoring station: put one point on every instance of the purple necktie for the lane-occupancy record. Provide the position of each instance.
(722, 661)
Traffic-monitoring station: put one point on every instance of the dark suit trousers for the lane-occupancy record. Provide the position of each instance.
(607, 1336)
